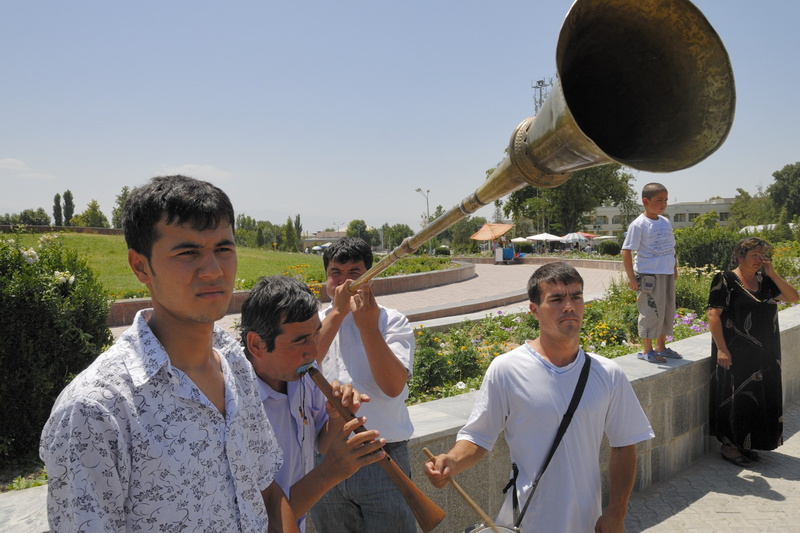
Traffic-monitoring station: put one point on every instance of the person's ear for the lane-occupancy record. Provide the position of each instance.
(140, 266)
(255, 345)
(534, 310)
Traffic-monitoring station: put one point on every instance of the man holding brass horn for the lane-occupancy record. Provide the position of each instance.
(525, 394)
(371, 347)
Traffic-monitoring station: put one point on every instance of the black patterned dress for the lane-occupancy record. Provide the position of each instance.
(746, 401)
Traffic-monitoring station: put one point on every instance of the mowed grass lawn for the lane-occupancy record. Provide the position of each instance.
(108, 257)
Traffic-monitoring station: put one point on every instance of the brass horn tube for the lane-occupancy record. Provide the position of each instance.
(644, 83)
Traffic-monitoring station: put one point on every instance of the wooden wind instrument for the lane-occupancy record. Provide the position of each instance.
(427, 513)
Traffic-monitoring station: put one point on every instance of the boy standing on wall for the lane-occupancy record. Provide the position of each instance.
(652, 273)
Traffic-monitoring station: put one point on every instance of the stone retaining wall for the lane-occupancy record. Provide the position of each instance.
(600, 264)
(122, 312)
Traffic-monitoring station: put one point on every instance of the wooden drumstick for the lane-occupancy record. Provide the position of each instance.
(485, 517)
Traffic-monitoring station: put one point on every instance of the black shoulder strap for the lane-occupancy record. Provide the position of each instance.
(573, 404)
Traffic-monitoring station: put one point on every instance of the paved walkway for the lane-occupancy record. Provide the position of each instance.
(712, 496)
(716, 496)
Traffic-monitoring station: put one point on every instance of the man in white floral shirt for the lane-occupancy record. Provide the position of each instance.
(165, 430)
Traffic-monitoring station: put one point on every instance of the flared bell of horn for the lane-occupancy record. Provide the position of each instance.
(645, 83)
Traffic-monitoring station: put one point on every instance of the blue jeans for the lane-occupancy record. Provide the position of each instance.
(368, 501)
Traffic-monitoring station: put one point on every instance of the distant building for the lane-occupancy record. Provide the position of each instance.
(320, 238)
(609, 221)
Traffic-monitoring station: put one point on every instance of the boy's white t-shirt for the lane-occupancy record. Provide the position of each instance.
(654, 244)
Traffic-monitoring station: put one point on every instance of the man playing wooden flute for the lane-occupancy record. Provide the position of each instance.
(280, 329)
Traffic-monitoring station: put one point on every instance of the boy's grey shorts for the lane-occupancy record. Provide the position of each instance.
(655, 299)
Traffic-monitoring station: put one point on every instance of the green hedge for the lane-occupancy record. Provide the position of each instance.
(608, 247)
(700, 247)
(52, 325)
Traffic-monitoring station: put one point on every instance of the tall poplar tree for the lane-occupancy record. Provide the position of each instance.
(57, 218)
(69, 207)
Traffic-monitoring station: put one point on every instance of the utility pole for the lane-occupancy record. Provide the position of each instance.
(428, 211)
(541, 90)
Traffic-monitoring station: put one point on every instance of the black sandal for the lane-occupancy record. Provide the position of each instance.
(741, 460)
(750, 454)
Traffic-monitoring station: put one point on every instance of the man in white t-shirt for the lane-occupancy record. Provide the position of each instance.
(525, 394)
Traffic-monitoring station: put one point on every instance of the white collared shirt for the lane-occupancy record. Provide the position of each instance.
(296, 418)
(133, 445)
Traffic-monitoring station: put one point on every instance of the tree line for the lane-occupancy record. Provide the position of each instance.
(559, 210)
(64, 213)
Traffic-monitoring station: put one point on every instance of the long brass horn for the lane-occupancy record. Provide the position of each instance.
(644, 83)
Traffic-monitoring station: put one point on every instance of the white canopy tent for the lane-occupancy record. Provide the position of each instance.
(543, 237)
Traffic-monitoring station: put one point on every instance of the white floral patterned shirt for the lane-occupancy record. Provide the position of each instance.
(133, 445)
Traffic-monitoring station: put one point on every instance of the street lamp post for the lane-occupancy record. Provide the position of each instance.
(428, 211)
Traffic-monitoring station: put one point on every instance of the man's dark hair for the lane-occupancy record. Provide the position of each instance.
(551, 273)
(348, 250)
(182, 200)
(274, 301)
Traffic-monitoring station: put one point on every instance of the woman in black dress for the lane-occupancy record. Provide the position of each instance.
(746, 404)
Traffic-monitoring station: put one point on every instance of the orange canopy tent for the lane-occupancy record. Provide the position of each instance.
(489, 232)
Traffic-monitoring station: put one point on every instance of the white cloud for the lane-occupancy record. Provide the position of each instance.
(17, 169)
(13, 164)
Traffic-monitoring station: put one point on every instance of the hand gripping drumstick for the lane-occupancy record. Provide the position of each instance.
(485, 517)
(427, 513)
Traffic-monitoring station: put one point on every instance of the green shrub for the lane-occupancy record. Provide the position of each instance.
(699, 247)
(441, 251)
(692, 287)
(453, 362)
(608, 248)
(523, 247)
(431, 368)
(52, 325)
(415, 264)
(786, 259)
(463, 355)
(612, 320)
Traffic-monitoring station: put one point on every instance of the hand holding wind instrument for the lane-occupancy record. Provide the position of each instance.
(477, 508)
(644, 83)
(427, 513)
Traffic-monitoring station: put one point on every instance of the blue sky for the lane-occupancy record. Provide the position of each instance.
(331, 110)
